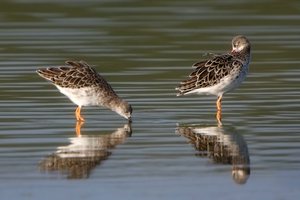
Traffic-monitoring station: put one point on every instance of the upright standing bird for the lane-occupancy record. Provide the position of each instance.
(85, 87)
(220, 74)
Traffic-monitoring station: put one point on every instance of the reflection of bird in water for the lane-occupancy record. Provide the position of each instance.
(220, 74)
(84, 153)
(223, 145)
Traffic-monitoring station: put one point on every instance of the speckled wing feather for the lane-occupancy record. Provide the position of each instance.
(74, 75)
(209, 72)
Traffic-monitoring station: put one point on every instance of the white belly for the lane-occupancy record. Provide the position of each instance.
(81, 96)
(225, 85)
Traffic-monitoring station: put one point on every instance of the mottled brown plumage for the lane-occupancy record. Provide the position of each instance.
(74, 75)
(84, 86)
(210, 72)
(219, 74)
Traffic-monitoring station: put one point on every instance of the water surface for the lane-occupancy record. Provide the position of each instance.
(144, 48)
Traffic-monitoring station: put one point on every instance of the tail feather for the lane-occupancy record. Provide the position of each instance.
(186, 86)
(47, 73)
(53, 74)
(184, 89)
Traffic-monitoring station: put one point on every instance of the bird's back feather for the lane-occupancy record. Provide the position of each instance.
(73, 75)
(209, 73)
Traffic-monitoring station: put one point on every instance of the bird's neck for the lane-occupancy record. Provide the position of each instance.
(114, 103)
(243, 55)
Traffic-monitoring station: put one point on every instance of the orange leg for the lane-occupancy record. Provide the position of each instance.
(78, 115)
(78, 128)
(219, 110)
(219, 117)
(219, 102)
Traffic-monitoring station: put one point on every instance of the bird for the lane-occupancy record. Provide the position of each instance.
(85, 87)
(219, 74)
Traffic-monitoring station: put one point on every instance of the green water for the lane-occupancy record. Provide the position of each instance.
(144, 49)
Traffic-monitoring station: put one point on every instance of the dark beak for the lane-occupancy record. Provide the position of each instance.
(129, 119)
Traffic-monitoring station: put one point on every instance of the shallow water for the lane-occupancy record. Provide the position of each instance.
(174, 149)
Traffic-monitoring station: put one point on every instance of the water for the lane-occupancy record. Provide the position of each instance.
(174, 149)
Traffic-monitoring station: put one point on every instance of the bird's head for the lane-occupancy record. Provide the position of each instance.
(125, 110)
(240, 44)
